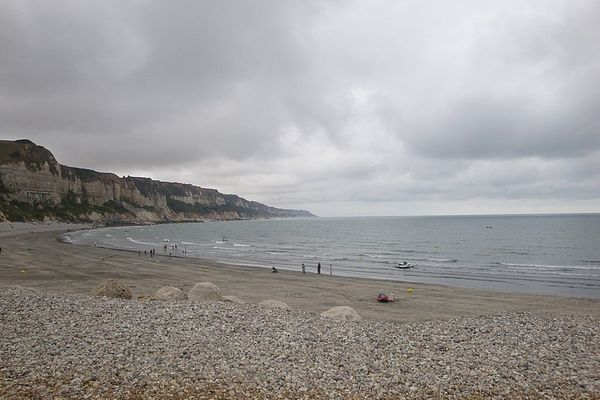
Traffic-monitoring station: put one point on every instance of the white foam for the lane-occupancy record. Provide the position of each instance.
(546, 266)
(140, 242)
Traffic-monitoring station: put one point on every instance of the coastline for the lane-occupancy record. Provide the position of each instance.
(40, 261)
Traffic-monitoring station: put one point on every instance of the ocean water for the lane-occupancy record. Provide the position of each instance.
(545, 254)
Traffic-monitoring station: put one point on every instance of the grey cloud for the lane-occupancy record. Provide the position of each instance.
(483, 128)
(313, 102)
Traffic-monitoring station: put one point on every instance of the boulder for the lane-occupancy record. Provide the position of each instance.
(233, 299)
(344, 313)
(205, 291)
(169, 293)
(274, 304)
(113, 289)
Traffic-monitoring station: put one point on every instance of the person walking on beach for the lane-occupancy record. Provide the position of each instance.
(330, 270)
(303, 269)
(319, 268)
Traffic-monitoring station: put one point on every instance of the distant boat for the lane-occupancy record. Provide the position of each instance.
(404, 265)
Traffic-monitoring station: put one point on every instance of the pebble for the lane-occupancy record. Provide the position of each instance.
(73, 346)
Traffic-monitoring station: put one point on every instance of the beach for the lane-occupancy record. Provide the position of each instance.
(432, 341)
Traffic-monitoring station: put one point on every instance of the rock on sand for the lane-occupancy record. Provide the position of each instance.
(169, 293)
(342, 312)
(274, 304)
(233, 299)
(205, 291)
(113, 289)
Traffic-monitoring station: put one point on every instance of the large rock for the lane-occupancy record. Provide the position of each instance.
(344, 313)
(113, 289)
(274, 304)
(205, 291)
(169, 293)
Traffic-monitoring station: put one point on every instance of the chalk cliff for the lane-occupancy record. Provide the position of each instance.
(34, 186)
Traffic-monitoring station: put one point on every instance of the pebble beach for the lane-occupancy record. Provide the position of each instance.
(82, 347)
(58, 341)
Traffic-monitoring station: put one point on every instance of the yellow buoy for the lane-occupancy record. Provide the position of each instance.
(409, 290)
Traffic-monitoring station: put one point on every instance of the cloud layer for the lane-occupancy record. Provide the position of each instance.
(340, 107)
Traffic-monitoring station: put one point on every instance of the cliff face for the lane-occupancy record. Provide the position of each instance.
(34, 186)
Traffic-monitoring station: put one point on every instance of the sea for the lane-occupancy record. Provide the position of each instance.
(537, 254)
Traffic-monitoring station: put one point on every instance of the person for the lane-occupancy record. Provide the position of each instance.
(318, 268)
(330, 270)
(274, 270)
(303, 269)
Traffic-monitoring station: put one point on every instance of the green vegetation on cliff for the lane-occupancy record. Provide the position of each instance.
(68, 210)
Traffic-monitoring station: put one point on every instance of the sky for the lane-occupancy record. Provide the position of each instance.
(343, 108)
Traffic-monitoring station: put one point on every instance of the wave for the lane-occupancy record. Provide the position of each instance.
(568, 267)
(241, 245)
(383, 254)
(140, 242)
(66, 239)
(439, 260)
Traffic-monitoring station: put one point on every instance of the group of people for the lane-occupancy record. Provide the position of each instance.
(318, 269)
(152, 252)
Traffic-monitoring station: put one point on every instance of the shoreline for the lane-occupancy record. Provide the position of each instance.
(484, 265)
(38, 260)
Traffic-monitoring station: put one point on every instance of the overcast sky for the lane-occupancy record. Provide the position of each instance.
(341, 107)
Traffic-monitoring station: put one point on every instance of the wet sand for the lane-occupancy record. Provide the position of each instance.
(39, 260)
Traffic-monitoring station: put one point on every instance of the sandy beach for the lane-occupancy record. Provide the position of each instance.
(430, 343)
(38, 260)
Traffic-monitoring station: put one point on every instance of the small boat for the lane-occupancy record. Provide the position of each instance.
(404, 265)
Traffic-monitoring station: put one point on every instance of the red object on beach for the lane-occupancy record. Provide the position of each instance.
(383, 298)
